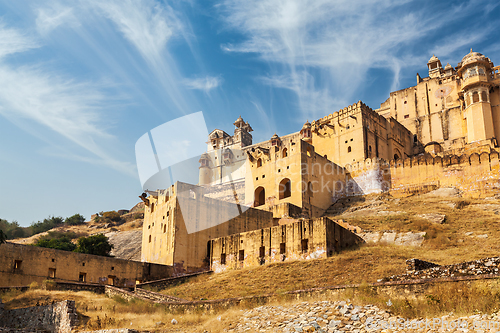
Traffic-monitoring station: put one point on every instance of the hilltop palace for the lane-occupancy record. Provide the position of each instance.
(441, 132)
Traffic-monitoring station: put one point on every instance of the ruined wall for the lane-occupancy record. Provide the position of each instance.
(305, 239)
(59, 317)
(22, 264)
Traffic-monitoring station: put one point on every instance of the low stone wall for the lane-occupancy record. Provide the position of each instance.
(412, 289)
(157, 297)
(165, 283)
(75, 286)
(113, 291)
(485, 266)
(58, 317)
(20, 288)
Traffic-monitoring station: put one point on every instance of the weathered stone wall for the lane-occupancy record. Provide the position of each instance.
(305, 239)
(165, 283)
(156, 297)
(59, 317)
(177, 228)
(21, 264)
(476, 175)
(485, 266)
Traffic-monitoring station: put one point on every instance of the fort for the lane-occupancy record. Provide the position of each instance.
(257, 203)
(265, 202)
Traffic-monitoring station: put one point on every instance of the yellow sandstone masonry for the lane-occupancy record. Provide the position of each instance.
(442, 132)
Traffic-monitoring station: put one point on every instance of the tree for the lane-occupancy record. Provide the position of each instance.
(96, 244)
(57, 240)
(3, 237)
(63, 243)
(46, 224)
(75, 220)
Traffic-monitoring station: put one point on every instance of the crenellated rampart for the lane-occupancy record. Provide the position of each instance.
(477, 175)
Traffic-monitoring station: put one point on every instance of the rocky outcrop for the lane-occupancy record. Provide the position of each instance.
(394, 238)
(126, 244)
(59, 317)
(471, 268)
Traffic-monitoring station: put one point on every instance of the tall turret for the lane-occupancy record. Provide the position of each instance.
(475, 71)
(205, 174)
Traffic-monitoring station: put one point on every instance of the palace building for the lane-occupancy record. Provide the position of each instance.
(265, 202)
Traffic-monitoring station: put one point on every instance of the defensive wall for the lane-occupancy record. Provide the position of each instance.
(22, 264)
(476, 175)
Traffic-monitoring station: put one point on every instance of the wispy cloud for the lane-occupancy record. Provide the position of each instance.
(148, 25)
(55, 15)
(70, 108)
(325, 48)
(204, 83)
(14, 41)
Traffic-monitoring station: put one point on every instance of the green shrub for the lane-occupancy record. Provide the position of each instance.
(75, 220)
(49, 285)
(96, 244)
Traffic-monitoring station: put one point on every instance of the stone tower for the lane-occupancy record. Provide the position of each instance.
(474, 71)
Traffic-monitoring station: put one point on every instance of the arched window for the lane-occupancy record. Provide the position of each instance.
(260, 196)
(475, 97)
(259, 163)
(396, 157)
(309, 151)
(349, 149)
(284, 153)
(285, 188)
(484, 96)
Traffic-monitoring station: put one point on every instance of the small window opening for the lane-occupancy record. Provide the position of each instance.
(349, 149)
(150, 238)
(407, 116)
(285, 152)
(304, 245)
(241, 255)
(17, 264)
(259, 163)
(262, 251)
(52, 273)
(223, 259)
(82, 277)
(282, 248)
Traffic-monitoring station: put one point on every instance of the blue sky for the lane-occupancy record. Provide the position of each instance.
(81, 81)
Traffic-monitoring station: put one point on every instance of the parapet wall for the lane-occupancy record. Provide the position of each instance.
(477, 175)
(58, 317)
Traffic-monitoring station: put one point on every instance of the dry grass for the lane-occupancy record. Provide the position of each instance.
(445, 244)
(99, 311)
